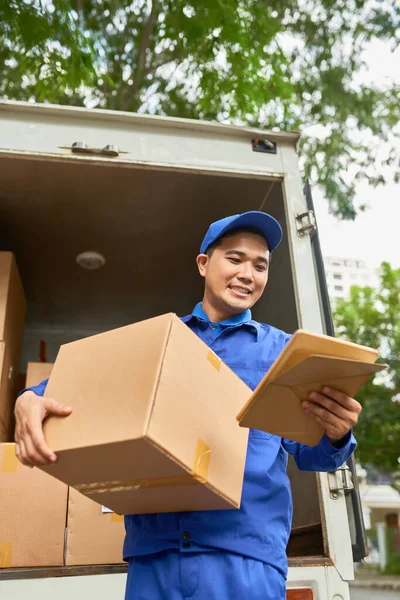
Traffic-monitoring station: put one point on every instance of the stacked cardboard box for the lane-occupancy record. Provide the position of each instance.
(32, 514)
(12, 317)
(94, 536)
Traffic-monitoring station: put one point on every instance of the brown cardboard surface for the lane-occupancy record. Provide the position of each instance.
(32, 514)
(12, 317)
(93, 537)
(150, 410)
(36, 372)
(308, 363)
(4, 429)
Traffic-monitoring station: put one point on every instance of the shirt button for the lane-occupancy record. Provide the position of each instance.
(186, 538)
(213, 328)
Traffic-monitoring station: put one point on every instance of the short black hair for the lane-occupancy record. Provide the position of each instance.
(233, 232)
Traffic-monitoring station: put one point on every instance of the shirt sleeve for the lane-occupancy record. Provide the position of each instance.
(325, 456)
(37, 389)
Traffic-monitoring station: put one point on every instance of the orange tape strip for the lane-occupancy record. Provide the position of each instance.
(116, 518)
(199, 475)
(214, 360)
(9, 464)
(5, 555)
(201, 461)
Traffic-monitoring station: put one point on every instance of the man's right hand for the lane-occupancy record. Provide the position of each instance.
(30, 412)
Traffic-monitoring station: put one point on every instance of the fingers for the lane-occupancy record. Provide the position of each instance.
(325, 406)
(55, 408)
(343, 400)
(334, 410)
(30, 412)
(20, 453)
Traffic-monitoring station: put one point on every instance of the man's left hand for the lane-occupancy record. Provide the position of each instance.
(334, 410)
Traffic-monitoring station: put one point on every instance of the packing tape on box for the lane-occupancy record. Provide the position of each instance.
(198, 475)
(9, 464)
(214, 360)
(5, 555)
(116, 518)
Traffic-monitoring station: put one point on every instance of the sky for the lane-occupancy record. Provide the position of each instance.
(375, 235)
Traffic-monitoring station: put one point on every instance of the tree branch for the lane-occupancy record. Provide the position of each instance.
(164, 60)
(141, 61)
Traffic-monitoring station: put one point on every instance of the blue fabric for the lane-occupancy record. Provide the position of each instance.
(217, 328)
(260, 529)
(173, 575)
(267, 225)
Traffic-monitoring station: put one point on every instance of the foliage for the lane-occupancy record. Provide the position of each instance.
(287, 64)
(372, 317)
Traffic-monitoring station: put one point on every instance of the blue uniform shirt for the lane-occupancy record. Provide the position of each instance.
(261, 527)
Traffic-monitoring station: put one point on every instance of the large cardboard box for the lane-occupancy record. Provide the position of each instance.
(12, 317)
(94, 535)
(33, 510)
(153, 427)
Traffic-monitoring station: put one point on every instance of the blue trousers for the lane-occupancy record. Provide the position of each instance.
(175, 575)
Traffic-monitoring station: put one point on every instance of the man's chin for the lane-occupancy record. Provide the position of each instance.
(238, 305)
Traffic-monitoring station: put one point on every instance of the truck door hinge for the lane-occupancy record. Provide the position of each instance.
(109, 151)
(340, 481)
(306, 223)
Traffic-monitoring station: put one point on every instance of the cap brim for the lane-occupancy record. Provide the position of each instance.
(267, 225)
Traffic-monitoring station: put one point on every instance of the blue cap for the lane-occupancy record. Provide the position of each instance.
(267, 226)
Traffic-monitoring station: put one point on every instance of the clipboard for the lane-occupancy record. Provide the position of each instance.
(308, 363)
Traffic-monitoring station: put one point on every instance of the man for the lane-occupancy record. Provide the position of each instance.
(230, 554)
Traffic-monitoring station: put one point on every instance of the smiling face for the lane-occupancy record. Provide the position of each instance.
(236, 273)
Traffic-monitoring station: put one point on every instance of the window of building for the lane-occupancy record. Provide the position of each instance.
(338, 288)
(337, 276)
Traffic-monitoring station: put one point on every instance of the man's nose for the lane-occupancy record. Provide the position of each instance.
(246, 272)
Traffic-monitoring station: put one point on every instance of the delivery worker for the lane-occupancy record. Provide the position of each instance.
(228, 554)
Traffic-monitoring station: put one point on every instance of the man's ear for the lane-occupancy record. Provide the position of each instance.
(202, 263)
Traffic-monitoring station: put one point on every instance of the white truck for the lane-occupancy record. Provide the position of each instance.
(141, 191)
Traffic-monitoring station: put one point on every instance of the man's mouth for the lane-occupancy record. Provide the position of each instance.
(240, 291)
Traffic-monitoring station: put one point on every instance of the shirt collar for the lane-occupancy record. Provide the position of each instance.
(244, 318)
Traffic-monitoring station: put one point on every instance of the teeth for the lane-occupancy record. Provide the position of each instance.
(240, 290)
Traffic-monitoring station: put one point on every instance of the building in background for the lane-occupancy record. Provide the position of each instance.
(342, 273)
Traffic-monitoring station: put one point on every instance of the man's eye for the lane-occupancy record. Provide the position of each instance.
(261, 267)
(235, 261)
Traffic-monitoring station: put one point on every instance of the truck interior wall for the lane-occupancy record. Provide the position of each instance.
(148, 224)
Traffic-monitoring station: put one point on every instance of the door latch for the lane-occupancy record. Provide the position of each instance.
(306, 223)
(340, 481)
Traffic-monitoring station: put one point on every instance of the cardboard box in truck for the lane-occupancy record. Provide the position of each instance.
(153, 427)
(36, 372)
(12, 318)
(33, 510)
(95, 536)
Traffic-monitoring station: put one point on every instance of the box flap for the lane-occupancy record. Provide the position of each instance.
(304, 344)
(316, 370)
(276, 404)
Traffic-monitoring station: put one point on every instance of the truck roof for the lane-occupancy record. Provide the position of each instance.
(150, 121)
